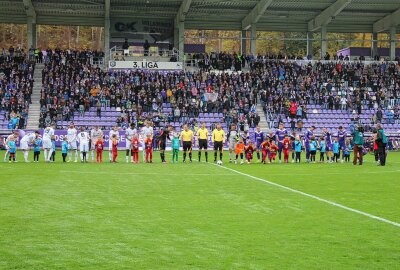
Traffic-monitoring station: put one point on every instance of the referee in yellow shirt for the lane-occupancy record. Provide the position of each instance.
(218, 138)
(202, 135)
(187, 141)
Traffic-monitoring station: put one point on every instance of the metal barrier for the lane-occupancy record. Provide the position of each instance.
(119, 54)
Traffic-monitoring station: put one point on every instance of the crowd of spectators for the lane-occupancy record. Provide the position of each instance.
(71, 84)
(66, 77)
(288, 87)
(285, 88)
(224, 60)
(16, 83)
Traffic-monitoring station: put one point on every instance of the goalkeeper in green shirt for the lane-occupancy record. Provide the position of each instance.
(175, 147)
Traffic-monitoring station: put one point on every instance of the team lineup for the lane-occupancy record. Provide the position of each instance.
(271, 147)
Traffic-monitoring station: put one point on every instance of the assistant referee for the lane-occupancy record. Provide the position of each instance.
(202, 135)
(187, 141)
(218, 138)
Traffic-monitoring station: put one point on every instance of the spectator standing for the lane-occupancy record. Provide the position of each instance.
(381, 140)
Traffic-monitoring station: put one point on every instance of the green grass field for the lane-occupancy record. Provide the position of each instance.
(199, 216)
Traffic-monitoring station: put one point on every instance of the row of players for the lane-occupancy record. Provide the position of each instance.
(240, 145)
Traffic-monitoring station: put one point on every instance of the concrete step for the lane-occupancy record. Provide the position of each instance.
(263, 121)
(34, 108)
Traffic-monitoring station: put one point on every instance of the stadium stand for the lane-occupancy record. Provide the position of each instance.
(320, 93)
(16, 82)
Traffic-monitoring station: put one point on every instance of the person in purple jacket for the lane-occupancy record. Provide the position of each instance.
(307, 138)
(342, 140)
(329, 145)
(279, 137)
(258, 138)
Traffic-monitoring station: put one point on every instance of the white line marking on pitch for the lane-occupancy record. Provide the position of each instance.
(312, 196)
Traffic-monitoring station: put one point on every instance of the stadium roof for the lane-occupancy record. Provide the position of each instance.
(268, 15)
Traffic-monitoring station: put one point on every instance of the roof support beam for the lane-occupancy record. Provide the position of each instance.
(387, 22)
(255, 14)
(30, 10)
(326, 16)
(182, 12)
(30, 23)
(106, 31)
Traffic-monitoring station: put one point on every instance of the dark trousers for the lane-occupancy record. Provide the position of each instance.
(298, 157)
(36, 155)
(382, 153)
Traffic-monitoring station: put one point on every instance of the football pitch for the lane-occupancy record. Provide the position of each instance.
(199, 215)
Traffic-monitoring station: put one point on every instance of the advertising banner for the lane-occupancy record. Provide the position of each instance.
(60, 134)
(149, 65)
(152, 29)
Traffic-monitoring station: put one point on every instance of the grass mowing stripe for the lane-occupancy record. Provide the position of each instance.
(312, 196)
(334, 173)
(138, 173)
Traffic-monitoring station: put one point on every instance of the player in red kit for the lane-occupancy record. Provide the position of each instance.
(99, 150)
(114, 142)
(148, 142)
(286, 149)
(249, 150)
(265, 149)
(135, 148)
(273, 149)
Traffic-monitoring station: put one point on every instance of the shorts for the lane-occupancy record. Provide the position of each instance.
(203, 144)
(187, 146)
(232, 145)
(342, 145)
(258, 147)
(280, 146)
(313, 152)
(162, 145)
(128, 144)
(24, 145)
(72, 145)
(47, 144)
(307, 146)
(217, 146)
(84, 147)
(110, 145)
(238, 152)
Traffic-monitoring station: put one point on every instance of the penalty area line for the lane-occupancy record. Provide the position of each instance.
(312, 196)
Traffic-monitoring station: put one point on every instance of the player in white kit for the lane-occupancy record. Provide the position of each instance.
(25, 141)
(14, 135)
(95, 134)
(129, 133)
(71, 139)
(115, 132)
(48, 133)
(146, 131)
(83, 139)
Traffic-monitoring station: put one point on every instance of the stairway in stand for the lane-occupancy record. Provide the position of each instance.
(264, 125)
(34, 108)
